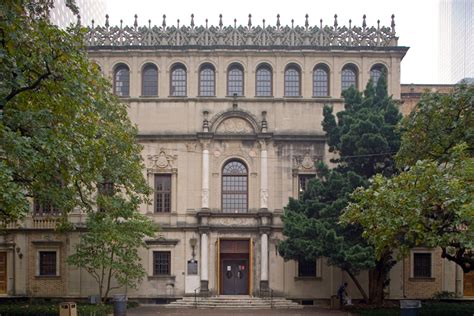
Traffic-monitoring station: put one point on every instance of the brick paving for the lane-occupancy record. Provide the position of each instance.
(149, 310)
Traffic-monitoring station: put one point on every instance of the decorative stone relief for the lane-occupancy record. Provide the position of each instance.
(264, 198)
(161, 161)
(305, 162)
(234, 125)
(205, 197)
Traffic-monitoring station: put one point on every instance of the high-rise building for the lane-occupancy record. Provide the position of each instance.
(456, 40)
(88, 9)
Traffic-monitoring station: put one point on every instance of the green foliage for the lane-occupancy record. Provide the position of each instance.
(431, 202)
(62, 132)
(365, 138)
(108, 251)
(437, 124)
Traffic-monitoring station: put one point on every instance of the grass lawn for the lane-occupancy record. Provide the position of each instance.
(429, 308)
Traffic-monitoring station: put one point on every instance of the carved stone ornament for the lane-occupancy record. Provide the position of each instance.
(304, 162)
(234, 125)
(263, 198)
(263, 37)
(308, 162)
(205, 197)
(161, 161)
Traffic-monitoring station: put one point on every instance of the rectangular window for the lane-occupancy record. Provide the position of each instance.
(307, 268)
(161, 262)
(162, 193)
(44, 208)
(303, 180)
(422, 265)
(47, 263)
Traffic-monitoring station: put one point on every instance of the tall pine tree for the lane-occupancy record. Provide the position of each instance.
(365, 139)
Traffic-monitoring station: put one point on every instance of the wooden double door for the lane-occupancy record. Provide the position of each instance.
(3, 273)
(235, 276)
(469, 284)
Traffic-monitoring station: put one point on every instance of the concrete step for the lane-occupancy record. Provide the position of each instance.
(234, 302)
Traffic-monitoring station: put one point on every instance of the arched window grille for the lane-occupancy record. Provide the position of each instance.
(234, 187)
(207, 81)
(292, 81)
(122, 81)
(348, 77)
(263, 87)
(178, 81)
(321, 81)
(235, 80)
(150, 80)
(376, 72)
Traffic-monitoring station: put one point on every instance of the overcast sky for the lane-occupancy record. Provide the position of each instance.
(416, 20)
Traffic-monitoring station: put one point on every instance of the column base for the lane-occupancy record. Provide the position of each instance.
(204, 291)
(264, 288)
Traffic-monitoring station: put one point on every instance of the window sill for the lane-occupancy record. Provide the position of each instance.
(321, 97)
(162, 277)
(206, 96)
(178, 96)
(148, 96)
(307, 278)
(293, 97)
(264, 97)
(49, 277)
(420, 279)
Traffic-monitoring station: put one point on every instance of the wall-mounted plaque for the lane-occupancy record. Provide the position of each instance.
(192, 267)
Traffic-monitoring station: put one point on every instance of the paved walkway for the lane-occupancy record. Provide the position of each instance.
(162, 311)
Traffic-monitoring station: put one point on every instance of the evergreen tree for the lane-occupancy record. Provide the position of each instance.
(365, 137)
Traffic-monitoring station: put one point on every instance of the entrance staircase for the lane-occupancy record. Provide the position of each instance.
(235, 302)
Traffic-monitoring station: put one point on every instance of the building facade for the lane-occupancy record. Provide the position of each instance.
(230, 122)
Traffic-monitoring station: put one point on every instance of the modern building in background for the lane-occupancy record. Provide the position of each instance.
(456, 40)
(88, 9)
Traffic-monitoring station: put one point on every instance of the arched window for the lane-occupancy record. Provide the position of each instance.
(207, 81)
(150, 80)
(321, 81)
(235, 80)
(122, 81)
(348, 77)
(292, 81)
(178, 81)
(376, 72)
(234, 187)
(263, 87)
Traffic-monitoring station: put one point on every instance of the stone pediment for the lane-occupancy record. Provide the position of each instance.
(235, 126)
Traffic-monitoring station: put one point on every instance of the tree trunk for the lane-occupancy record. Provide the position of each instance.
(379, 278)
(359, 287)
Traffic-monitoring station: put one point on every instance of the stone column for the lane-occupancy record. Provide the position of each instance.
(205, 176)
(264, 262)
(204, 264)
(263, 176)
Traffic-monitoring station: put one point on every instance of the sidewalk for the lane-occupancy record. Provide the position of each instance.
(149, 310)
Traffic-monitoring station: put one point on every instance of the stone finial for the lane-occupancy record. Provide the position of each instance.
(207, 21)
(220, 21)
(78, 20)
(263, 22)
(192, 20)
(321, 23)
(292, 23)
(378, 24)
(93, 23)
(306, 22)
(264, 122)
(164, 21)
(149, 24)
(350, 24)
(121, 23)
(364, 23)
(250, 21)
(177, 23)
(335, 21)
(278, 21)
(106, 20)
(205, 122)
(393, 23)
(135, 23)
(235, 23)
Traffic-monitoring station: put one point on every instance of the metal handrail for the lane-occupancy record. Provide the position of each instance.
(195, 297)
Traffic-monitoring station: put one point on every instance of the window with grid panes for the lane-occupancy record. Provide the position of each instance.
(162, 193)
(161, 262)
(321, 82)
(376, 72)
(348, 78)
(422, 265)
(207, 81)
(235, 81)
(307, 268)
(122, 81)
(234, 188)
(178, 81)
(44, 207)
(150, 80)
(292, 82)
(303, 180)
(264, 82)
(47, 263)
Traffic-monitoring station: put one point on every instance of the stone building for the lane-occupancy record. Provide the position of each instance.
(230, 122)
